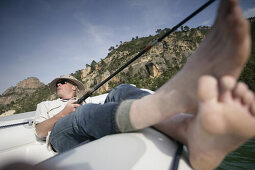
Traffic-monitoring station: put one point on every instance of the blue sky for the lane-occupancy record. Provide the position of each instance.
(49, 38)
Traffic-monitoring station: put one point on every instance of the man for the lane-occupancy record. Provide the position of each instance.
(222, 110)
(67, 87)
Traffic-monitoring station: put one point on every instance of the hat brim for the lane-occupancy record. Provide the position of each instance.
(79, 85)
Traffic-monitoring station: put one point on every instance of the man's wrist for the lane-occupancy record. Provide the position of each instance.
(59, 116)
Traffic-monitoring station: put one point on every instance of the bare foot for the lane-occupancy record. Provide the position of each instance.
(224, 52)
(225, 120)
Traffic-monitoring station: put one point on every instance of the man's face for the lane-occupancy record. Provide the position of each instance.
(65, 89)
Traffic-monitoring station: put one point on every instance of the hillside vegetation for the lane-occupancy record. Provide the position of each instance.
(248, 74)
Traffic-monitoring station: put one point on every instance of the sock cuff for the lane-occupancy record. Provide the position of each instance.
(123, 118)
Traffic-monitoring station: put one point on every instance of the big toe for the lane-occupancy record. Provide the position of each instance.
(207, 88)
(224, 7)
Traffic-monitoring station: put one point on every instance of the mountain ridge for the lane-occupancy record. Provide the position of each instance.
(23, 88)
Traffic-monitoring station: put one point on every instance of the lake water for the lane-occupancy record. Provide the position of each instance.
(241, 159)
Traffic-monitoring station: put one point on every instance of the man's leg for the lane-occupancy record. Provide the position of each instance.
(124, 95)
(92, 121)
(223, 52)
(88, 122)
(225, 120)
(64, 135)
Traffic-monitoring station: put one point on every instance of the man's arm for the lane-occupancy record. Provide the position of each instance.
(43, 128)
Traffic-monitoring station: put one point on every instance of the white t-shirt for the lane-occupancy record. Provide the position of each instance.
(47, 109)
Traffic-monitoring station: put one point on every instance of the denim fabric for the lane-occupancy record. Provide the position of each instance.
(92, 121)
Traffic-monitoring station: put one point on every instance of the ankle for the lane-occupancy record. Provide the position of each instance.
(144, 112)
(174, 102)
(122, 116)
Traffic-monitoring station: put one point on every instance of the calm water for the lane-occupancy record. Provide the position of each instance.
(242, 158)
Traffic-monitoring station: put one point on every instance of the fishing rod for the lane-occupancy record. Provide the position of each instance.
(147, 48)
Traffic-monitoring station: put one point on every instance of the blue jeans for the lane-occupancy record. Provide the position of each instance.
(91, 121)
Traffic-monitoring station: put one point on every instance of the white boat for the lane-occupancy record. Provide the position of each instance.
(147, 149)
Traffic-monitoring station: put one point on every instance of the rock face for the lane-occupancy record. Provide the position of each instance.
(171, 53)
(30, 83)
(9, 112)
(22, 89)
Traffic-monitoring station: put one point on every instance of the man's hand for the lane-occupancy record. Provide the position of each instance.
(44, 127)
(69, 108)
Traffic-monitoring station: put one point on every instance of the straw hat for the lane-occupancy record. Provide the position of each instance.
(70, 78)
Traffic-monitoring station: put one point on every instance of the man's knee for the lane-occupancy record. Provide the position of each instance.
(123, 92)
(122, 88)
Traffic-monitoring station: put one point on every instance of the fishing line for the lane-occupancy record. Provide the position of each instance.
(178, 153)
(147, 48)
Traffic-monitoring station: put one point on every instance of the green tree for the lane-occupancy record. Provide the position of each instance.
(93, 65)
(111, 49)
(158, 31)
(186, 28)
(77, 75)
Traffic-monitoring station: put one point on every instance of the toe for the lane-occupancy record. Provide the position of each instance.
(224, 9)
(252, 108)
(207, 88)
(248, 98)
(240, 90)
(226, 85)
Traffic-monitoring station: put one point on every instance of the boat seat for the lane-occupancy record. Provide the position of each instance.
(19, 143)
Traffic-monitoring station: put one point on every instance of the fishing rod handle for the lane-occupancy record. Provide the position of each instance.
(84, 97)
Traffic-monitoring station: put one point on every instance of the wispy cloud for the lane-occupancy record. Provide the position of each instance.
(206, 22)
(155, 13)
(96, 32)
(45, 4)
(95, 38)
(249, 12)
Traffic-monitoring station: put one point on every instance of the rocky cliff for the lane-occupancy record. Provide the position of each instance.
(171, 53)
(22, 89)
